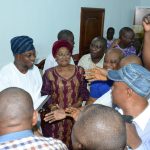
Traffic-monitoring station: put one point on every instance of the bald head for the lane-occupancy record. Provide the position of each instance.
(99, 127)
(16, 108)
(112, 58)
(132, 59)
(116, 51)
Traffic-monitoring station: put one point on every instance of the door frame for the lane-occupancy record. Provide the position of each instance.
(85, 9)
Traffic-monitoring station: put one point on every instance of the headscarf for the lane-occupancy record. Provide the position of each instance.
(21, 44)
(61, 43)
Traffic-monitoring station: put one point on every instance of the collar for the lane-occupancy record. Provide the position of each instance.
(142, 119)
(90, 59)
(15, 136)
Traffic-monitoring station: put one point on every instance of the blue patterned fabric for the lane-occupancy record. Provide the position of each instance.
(21, 44)
(128, 50)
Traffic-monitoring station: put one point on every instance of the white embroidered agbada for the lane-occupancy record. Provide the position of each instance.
(31, 81)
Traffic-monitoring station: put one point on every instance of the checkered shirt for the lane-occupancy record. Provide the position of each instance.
(33, 143)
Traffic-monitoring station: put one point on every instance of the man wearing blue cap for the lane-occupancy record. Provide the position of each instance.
(22, 72)
(130, 92)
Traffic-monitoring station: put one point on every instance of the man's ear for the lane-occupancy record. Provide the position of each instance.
(17, 56)
(129, 92)
(34, 118)
(80, 146)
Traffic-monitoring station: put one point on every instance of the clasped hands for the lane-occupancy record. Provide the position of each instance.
(60, 114)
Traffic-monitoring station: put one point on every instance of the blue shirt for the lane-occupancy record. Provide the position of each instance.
(99, 88)
(15, 135)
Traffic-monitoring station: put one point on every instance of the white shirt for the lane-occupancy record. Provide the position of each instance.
(142, 119)
(105, 99)
(87, 63)
(51, 62)
(31, 81)
(142, 124)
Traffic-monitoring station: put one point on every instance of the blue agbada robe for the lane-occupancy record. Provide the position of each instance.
(99, 88)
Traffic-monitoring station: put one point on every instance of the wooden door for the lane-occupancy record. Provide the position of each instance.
(92, 24)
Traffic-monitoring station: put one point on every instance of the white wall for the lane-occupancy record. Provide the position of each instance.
(43, 19)
(145, 3)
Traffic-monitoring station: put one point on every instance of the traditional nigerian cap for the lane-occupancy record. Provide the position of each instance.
(21, 44)
(61, 43)
(135, 76)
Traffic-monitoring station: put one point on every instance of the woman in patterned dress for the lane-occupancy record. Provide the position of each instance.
(67, 87)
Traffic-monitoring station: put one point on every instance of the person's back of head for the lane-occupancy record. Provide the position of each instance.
(66, 35)
(16, 110)
(99, 128)
(116, 51)
(132, 59)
